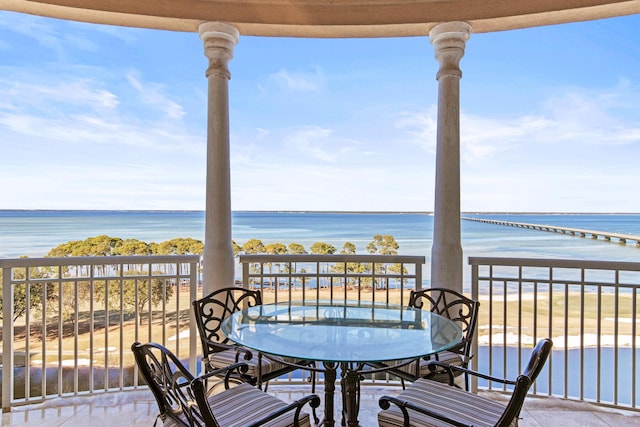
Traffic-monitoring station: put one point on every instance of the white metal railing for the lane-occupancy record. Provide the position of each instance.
(383, 278)
(68, 323)
(75, 318)
(588, 308)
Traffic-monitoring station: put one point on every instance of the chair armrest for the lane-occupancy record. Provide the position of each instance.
(241, 367)
(309, 365)
(312, 399)
(434, 365)
(217, 346)
(385, 403)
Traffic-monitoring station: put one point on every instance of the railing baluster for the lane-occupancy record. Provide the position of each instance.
(79, 324)
(27, 366)
(550, 324)
(566, 341)
(616, 323)
(76, 333)
(599, 346)
(582, 332)
(634, 339)
(43, 339)
(584, 316)
(92, 317)
(60, 366)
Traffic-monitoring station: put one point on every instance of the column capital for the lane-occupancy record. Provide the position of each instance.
(219, 40)
(449, 40)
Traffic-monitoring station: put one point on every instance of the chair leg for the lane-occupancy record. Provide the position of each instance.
(312, 378)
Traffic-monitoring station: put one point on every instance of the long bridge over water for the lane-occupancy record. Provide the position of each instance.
(605, 235)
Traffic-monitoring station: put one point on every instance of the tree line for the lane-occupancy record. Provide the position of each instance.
(156, 290)
(111, 246)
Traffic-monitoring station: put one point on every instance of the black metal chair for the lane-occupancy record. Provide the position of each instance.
(454, 306)
(218, 351)
(187, 401)
(431, 403)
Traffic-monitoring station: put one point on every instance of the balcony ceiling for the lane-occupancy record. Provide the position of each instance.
(326, 18)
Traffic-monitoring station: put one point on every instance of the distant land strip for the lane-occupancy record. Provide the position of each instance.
(605, 235)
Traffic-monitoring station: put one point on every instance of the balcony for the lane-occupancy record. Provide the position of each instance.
(139, 408)
(73, 321)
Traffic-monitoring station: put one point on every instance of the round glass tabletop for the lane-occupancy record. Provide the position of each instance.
(348, 331)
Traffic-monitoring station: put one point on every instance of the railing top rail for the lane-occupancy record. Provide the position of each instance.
(98, 260)
(556, 263)
(332, 258)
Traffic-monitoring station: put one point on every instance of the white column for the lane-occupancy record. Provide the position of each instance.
(219, 40)
(449, 41)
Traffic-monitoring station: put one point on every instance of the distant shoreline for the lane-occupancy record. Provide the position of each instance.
(319, 212)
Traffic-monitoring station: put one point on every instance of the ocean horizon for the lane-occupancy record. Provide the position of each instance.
(33, 233)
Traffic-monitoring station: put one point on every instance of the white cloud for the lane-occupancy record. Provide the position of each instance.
(47, 34)
(295, 186)
(152, 96)
(109, 185)
(47, 93)
(421, 127)
(571, 117)
(262, 133)
(314, 136)
(299, 81)
(312, 141)
(78, 110)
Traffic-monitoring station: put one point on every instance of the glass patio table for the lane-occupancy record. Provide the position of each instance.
(343, 334)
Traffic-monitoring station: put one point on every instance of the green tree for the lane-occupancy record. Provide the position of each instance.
(296, 249)
(102, 245)
(384, 245)
(91, 246)
(236, 248)
(180, 246)
(349, 267)
(275, 249)
(37, 291)
(348, 249)
(133, 247)
(321, 248)
(64, 249)
(253, 246)
(136, 293)
(153, 247)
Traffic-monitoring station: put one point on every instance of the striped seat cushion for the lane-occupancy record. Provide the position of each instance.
(244, 403)
(447, 357)
(451, 401)
(225, 358)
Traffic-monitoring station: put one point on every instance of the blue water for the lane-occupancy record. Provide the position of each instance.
(575, 366)
(34, 233)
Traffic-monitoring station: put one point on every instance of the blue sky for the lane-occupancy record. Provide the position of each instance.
(99, 117)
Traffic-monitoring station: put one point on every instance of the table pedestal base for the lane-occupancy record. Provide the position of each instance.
(350, 384)
(329, 391)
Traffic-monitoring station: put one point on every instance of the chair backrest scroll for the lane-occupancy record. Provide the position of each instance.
(212, 309)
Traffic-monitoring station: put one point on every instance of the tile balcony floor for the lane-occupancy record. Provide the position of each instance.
(138, 408)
